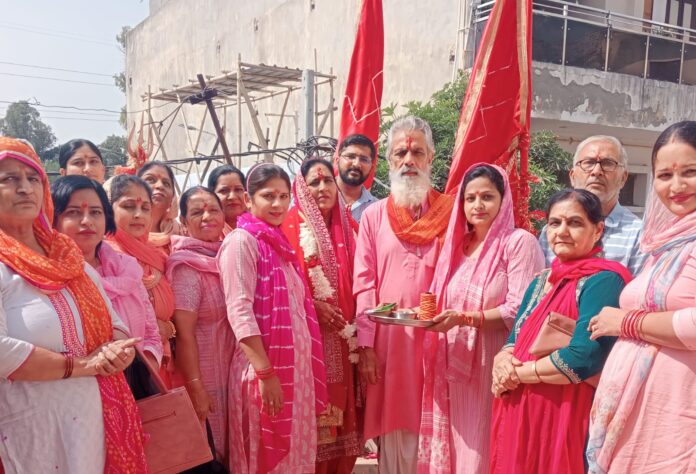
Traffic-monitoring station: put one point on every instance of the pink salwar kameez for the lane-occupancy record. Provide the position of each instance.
(238, 264)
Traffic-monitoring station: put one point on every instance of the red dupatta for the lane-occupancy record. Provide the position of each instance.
(336, 249)
(543, 427)
(561, 298)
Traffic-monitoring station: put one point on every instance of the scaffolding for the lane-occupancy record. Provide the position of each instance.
(241, 90)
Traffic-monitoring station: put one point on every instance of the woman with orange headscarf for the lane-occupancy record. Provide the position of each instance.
(131, 199)
(57, 331)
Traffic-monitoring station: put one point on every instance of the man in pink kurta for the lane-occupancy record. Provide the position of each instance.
(396, 252)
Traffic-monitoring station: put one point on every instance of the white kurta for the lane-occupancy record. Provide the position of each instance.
(54, 426)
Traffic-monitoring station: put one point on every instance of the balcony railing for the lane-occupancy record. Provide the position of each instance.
(576, 35)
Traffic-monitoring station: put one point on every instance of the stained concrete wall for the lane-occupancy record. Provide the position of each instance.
(605, 98)
(182, 37)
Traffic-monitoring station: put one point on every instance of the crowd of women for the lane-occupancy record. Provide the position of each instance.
(242, 291)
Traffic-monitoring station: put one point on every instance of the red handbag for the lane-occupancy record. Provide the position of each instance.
(175, 440)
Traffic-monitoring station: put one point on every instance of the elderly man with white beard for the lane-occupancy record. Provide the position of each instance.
(396, 251)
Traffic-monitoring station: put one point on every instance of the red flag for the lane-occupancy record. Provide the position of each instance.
(361, 104)
(494, 122)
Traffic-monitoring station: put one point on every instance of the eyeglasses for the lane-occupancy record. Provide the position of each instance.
(363, 159)
(607, 164)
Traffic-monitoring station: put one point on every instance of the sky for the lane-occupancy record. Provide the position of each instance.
(78, 35)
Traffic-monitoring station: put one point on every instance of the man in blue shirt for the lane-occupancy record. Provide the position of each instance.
(356, 153)
(600, 165)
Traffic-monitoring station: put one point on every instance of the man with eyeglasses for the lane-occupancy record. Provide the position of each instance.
(600, 166)
(356, 153)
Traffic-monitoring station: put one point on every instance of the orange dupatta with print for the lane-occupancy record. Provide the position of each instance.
(424, 230)
(63, 267)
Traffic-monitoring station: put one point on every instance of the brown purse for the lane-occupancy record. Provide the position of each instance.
(175, 440)
(555, 333)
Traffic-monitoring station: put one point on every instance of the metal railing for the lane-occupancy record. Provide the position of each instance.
(577, 35)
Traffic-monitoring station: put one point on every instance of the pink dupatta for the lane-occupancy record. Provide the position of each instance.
(271, 307)
(197, 254)
(669, 241)
(434, 450)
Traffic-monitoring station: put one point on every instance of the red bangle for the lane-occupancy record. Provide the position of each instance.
(481, 319)
(266, 373)
(632, 324)
(69, 364)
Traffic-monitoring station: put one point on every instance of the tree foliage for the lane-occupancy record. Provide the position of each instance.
(113, 150)
(548, 162)
(24, 121)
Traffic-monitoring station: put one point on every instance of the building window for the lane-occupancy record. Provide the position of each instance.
(675, 12)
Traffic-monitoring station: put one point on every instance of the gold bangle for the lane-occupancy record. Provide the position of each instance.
(173, 327)
(535, 371)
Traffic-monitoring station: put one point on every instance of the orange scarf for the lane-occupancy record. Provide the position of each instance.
(154, 261)
(431, 225)
(63, 267)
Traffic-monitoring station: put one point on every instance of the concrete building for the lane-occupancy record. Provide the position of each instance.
(620, 67)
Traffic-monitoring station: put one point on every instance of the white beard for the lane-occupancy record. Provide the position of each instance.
(409, 191)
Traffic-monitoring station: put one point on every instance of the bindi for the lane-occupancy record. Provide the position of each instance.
(320, 173)
(84, 206)
(139, 200)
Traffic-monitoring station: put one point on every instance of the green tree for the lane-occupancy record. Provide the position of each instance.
(120, 78)
(113, 150)
(24, 121)
(548, 162)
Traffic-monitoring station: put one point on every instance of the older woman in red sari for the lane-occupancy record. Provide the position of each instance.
(321, 231)
(542, 409)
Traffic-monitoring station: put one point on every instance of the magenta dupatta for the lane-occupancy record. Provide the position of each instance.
(271, 308)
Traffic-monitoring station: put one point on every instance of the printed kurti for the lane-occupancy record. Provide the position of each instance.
(201, 293)
(238, 257)
(660, 432)
(49, 426)
(390, 270)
